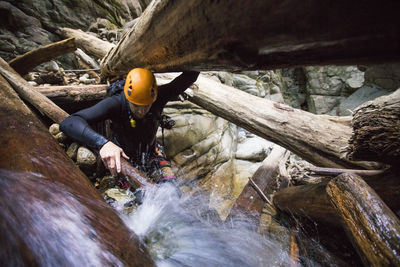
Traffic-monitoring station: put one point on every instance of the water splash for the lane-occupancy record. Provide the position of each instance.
(183, 232)
(43, 223)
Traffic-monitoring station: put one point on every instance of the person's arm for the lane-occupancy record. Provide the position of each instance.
(77, 127)
(170, 91)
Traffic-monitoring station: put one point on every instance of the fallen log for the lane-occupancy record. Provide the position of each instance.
(24, 89)
(50, 212)
(73, 98)
(65, 95)
(376, 126)
(249, 201)
(88, 43)
(45, 105)
(336, 172)
(87, 59)
(28, 61)
(311, 201)
(233, 35)
(318, 139)
(371, 226)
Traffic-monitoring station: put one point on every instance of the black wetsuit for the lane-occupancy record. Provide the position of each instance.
(133, 140)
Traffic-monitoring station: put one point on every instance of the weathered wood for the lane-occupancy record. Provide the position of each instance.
(38, 182)
(376, 127)
(73, 93)
(26, 62)
(45, 105)
(87, 59)
(265, 177)
(336, 172)
(371, 226)
(312, 201)
(236, 35)
(25, 90)
(88, 43)
(318, 139)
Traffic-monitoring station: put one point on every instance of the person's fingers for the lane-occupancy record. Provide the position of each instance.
(111, 166)
(118, 162)
(124, 155)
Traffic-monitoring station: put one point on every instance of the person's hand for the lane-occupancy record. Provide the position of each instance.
(110, 154)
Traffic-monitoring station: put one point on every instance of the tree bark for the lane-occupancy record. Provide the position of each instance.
(318, 139)
(232, 35)
(371, 226)
(312, 201)
(26, 62)
(34, 170)
(40, 102)
(266, 179)
(88, 43)
(309, 201)
(376, 127)
(64, 95)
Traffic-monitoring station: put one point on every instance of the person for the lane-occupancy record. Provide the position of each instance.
(135, 109)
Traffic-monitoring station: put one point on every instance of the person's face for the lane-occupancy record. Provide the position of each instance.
(139, 111)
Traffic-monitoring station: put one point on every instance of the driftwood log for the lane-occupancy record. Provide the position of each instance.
(312, 201)
(26, 62)
(236, 35)
(376, 127)
(265, 178)
(72, 98)
(88, 43)
(318, 139)
(33, 166)
(51, 110)
(25, 90)
(371, 226)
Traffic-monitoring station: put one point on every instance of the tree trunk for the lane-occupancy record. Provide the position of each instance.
(40, 102)
(376, 127)
(88, 43)
(312, 201)
(318, 139)
(265, 178)
(71, 94)
(236, 35)
(38, 180)
(371, 226)
(26, 62)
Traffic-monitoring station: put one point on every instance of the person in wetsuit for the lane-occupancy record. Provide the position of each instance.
(135, 113)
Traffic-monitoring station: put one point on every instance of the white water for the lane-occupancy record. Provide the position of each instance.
(181, 232)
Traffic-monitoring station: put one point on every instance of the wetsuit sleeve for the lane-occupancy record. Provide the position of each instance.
(77, 126)
(171, 90)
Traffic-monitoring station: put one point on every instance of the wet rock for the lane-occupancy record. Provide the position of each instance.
(72, 150)
(61, 137)
(107, 182)
(85, 157)
(86, 80)
(253, 149)
(54, 129)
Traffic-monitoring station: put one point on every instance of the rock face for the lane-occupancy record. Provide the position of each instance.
(27, 24)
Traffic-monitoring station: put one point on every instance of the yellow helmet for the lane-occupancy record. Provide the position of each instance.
(140, 87)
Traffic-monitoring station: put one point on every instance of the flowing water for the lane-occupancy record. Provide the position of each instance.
(181, 231)
(43, 224)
